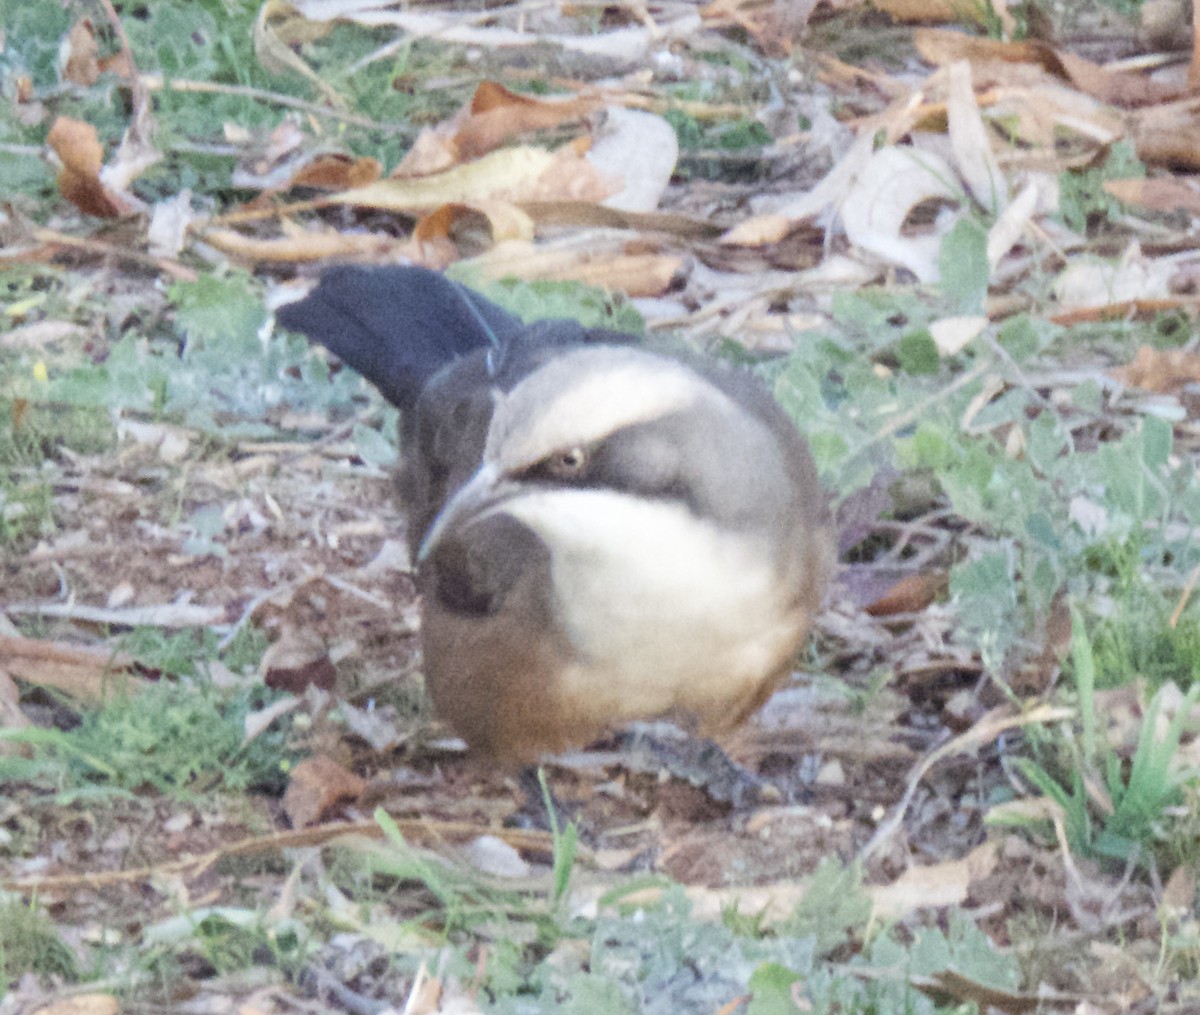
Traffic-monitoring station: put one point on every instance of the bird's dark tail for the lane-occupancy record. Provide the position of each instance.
(397, 326)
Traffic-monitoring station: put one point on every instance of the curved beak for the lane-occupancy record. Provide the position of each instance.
(478, 498)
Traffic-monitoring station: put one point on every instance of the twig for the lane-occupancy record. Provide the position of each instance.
(162, 264)
(140, 96)
(1188, 588)
(318, 835)
(985, 731)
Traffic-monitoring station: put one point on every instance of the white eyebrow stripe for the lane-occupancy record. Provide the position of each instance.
(585, 395)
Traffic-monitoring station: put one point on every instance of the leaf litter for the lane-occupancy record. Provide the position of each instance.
(207, 528)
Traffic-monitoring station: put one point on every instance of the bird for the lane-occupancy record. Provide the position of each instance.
(603, 532)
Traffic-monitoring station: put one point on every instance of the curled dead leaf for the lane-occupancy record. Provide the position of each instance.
(335, 171)
(894, 181)
(82, 157)
(470, 229)
(910, 594)
(301, 248)
(318, 784)
(493, 116)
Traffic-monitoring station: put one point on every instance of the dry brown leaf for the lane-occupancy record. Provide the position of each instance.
(318, 784)
(571, 176)
(493, 116)
(1179, 193)
(119, 64)
(86, 674)
(303, 248)
(297, 660)
(81, 55)
(1118, 88)
(1164, 371)
(1114, 88)
(82, 156)
(334, 171)
(1127, 310)
(909, 595)
(933, 887)
(497, 115)
(941, 48)
(425, 998)
(1165, 135)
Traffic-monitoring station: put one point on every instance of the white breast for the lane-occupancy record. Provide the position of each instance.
(665, 610)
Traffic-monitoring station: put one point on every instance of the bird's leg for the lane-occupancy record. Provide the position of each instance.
(540, 808)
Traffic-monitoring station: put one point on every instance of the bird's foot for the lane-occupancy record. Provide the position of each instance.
(658, 747)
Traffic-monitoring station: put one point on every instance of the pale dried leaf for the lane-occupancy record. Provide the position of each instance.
(257, 723)
(170, 220)
(180, 614)
(1012, 223)
(1089, 283)
(894, 181)
(953, 334)
(970, 142)
(640, 149)
(933, 887)
(86, 674)
(490, 855)
(82, 1004)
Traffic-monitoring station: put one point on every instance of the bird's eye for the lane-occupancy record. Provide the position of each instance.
(567, 464)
